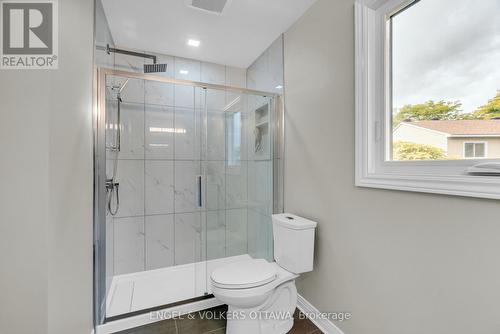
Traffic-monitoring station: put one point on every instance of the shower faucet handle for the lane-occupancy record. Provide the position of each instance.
(111, 184)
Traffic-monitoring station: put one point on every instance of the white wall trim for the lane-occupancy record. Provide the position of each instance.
(146, 319)
(325, 325)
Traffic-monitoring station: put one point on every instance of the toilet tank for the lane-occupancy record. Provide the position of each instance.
(293, 242)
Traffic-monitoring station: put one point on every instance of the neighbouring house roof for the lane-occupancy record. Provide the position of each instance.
(462, 127)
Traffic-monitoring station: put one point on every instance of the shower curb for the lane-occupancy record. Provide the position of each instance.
(146, 319)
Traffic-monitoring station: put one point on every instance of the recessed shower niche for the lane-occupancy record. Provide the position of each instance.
(262, 117)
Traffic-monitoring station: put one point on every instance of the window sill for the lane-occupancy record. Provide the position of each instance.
(465, 185)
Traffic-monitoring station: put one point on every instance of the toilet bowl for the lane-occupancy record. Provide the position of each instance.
(261, 295)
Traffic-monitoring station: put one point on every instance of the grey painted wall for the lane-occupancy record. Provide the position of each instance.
(46, 192)
(71, 172)
(400, 262)
(24, 138)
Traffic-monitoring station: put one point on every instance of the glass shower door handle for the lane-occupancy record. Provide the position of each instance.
(199, 194)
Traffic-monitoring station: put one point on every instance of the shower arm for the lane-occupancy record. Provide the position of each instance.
(110, 50)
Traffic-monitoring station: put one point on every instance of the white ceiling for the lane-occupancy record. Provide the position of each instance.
(236, 38)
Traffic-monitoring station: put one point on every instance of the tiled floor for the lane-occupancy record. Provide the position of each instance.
(198, 325)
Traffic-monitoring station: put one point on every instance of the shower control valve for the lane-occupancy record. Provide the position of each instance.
(110, 184)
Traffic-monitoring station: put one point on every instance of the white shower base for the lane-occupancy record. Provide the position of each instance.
(148, 289)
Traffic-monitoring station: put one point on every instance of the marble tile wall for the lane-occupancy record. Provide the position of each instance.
(159, 224)
(266, 72)
(164, 147)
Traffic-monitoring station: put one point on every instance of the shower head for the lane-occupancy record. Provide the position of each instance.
(155, 68)
(148, 68)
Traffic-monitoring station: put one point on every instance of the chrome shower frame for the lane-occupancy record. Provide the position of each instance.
(100, 192)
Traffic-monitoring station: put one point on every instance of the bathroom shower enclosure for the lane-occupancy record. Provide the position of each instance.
(187, 176)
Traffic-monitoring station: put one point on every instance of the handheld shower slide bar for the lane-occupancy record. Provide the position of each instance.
(113, 187)
(117, 145)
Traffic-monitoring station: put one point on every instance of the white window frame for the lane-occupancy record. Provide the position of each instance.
(372, 106)
(485, 143)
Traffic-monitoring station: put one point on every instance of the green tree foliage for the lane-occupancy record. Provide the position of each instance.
(442, 110)
(488, 111)
(429, 110)
(411, 151)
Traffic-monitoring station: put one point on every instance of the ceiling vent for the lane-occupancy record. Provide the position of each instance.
(211, 6)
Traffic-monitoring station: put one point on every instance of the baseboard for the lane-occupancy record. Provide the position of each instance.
(325, 325)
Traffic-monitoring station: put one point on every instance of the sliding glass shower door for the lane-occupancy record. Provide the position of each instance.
(238, 170)
(184, 183)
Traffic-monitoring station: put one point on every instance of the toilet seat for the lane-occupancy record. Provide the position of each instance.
(244, 274)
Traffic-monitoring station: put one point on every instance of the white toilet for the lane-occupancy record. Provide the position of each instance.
(262, 296)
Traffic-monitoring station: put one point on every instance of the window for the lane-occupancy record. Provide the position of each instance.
(474, 150)
(447, 85)
(427, 95)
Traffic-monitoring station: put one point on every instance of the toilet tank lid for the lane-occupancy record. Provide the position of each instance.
(294, 222)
